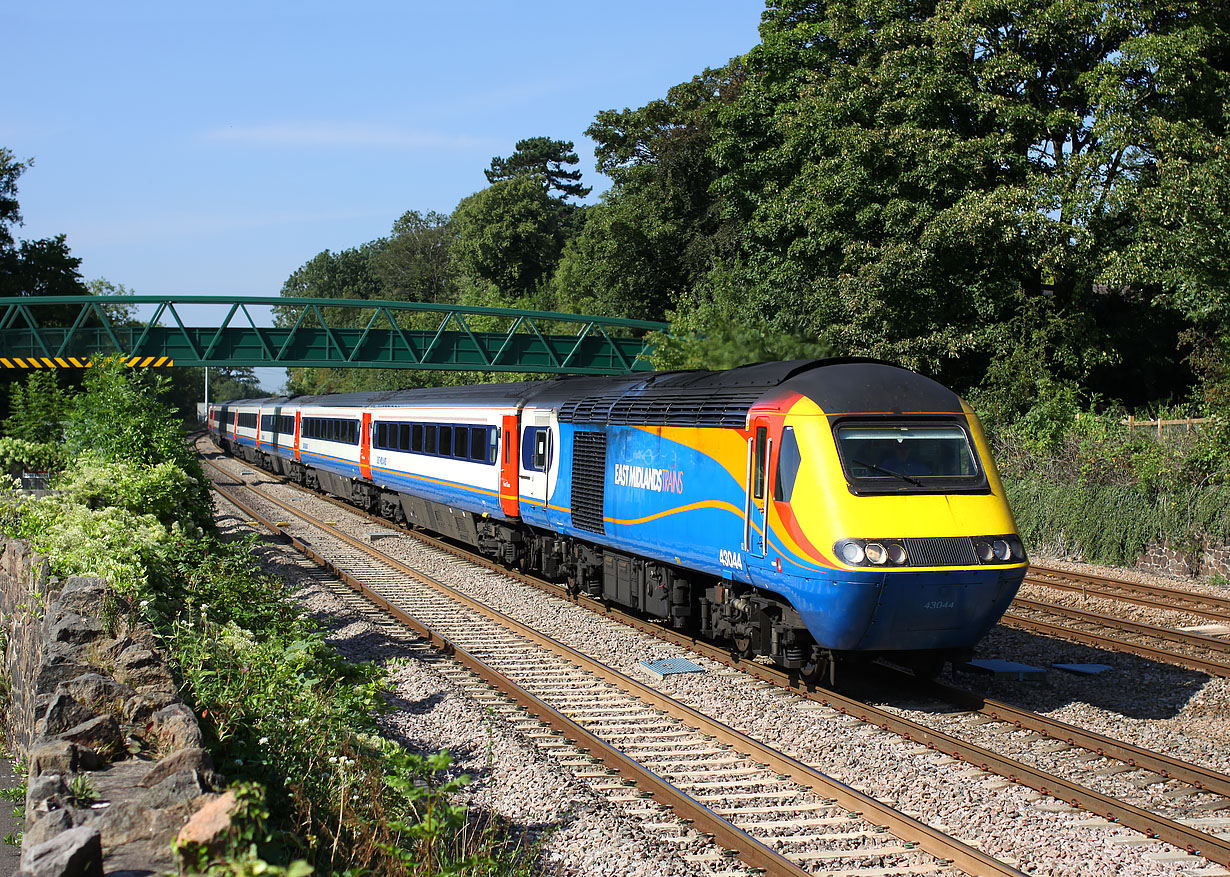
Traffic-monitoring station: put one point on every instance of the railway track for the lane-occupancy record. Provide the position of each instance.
(1151, 596)
(1206, 654)
(778, 813)
(1200, 780)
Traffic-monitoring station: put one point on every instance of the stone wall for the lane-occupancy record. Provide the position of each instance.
(116, 769)
(1185, 562)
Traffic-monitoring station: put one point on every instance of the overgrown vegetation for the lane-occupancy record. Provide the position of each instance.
(291, 723)
(1081, 484)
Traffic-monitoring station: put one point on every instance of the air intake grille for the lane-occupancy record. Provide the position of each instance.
(588, 480)
(664, 408)
(942, 551)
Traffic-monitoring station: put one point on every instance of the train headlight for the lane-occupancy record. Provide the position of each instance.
(984, 550)
(1001, 549)
(876, 553)
(896, 553)
(851, 552)
(1016, 549)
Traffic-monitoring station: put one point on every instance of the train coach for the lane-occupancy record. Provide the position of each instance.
(810, 512)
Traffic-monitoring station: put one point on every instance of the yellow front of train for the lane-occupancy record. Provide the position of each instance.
(888, 526)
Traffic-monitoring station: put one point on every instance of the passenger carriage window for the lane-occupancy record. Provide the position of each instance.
(446, 441)
(416, 439)
(382, 435)
(429, 439)
(461, 442)
(354, 432)
(493, 445)
(478, 444)
(788, 460)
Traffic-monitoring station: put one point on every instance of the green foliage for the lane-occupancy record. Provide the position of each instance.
(1079, 483)
(36, 408)
(121, 415)
(162, 490)
(17, 454)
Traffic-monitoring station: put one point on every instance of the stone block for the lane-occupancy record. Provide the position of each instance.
(176, 727)
(101, 733)
(58, 756)
(47, 826)
(69, 627)
(62, 713)
(191, 759)
(179, 791)
(210, 826)
(101, 693)
(74, 853)
(82, 595)
(44, 794)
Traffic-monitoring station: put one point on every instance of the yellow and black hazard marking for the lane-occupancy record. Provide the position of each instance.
(75, 362)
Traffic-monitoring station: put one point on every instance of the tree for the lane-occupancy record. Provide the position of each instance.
(414, 263)
(657, 232)
(10, 210)
(509, 235)
(902, 174)
(345, 274)
(37, 408)
(543, 158)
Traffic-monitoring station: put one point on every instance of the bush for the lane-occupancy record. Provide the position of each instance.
(1080, 484)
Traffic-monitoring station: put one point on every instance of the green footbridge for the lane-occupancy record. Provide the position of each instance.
(72, 331)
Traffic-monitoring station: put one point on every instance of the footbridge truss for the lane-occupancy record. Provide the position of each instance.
(68, 331)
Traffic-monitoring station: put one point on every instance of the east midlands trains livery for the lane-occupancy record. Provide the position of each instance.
(805, 511)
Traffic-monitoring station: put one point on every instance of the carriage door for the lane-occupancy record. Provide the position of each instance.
(755, 512)
(298, 419)
(509, 502)
(365, 446)
(276, 433)
(536, 454)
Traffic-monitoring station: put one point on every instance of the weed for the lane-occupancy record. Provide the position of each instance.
(81, 787)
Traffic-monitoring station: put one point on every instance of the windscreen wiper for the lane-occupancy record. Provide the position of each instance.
(900, 475)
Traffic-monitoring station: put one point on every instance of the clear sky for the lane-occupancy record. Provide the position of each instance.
(213, 149)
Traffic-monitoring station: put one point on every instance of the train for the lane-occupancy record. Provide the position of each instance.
(807, 513)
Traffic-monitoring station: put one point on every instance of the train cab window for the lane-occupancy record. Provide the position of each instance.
(895, 457)
(788, 461)
(536, 448)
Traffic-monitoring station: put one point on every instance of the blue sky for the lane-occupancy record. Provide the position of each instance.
(214, 149)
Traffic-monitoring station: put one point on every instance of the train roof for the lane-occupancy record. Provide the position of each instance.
(680, 398)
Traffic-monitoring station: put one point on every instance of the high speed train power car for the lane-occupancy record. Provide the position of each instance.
(805, 511)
